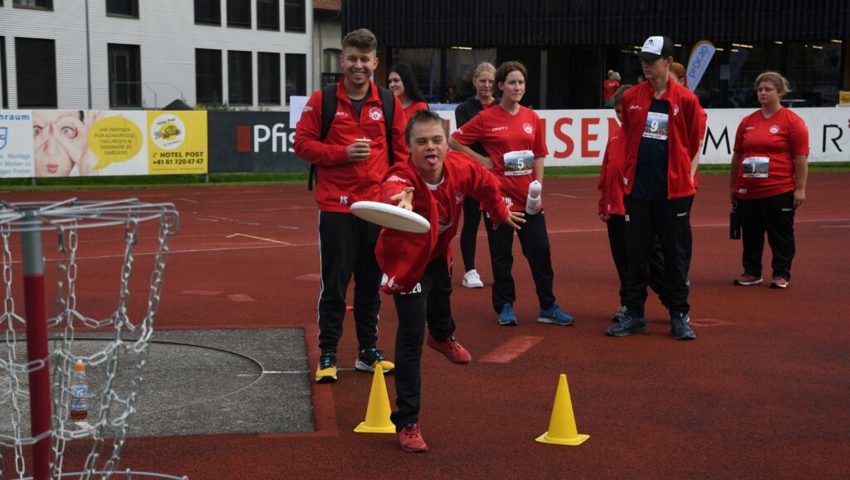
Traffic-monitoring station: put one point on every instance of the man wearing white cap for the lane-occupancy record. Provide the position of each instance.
(663, 124)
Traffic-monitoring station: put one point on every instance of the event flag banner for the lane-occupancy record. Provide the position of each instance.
(70, 143)
(16, 143)
(177, 142)
(698, 62)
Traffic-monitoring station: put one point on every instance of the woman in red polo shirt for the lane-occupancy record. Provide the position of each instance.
(768, 180)
(515, 142)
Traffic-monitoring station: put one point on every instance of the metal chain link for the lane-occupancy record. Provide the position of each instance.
(113, 408)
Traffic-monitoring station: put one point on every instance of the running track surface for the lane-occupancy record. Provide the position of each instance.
(762, 393)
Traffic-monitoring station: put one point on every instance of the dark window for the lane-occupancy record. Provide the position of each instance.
(296, 75)
(125, 76)
(268, 81)
(208, 12)
(129, 8)
(268, 14)
(37, 4)
(239, 13)
(208, 76)
(239, 78)
(295, 16)
(35, 62)
(4, 101)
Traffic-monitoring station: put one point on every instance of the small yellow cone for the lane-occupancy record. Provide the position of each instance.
(562, 425)
(378, 410)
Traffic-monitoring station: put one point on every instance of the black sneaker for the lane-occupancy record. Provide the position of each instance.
(370, 358)
(627, 326)
(679, 328)
(326, 372)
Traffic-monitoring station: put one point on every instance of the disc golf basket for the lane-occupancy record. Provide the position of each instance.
(40, 440)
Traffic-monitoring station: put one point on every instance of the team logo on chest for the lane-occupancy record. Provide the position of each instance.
(375, 113)
(774, 129)
(528, 128)
(675, 110)
(458, 198)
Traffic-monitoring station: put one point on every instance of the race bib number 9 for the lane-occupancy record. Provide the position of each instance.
(656, 126)
(756, 167)
(518, 163)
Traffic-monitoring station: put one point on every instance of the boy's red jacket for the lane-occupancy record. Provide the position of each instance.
(685, 131)
(341, 182)
(611, 176)
(403, 256)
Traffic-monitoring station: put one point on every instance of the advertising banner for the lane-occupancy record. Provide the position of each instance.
(252, 142)
(16, 143)
(579, 137)
(70, 143)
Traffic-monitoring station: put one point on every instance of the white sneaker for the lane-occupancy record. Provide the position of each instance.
(472, 280)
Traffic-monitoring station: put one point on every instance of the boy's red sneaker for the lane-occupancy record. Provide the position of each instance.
(410, 439)
(453, 350)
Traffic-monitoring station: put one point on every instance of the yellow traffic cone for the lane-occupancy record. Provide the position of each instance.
(378, 410)
(562, 425)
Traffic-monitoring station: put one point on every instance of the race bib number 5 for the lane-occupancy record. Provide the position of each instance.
(656, 126)
(518, 163)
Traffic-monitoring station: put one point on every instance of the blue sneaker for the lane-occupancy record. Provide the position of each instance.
(555, 315)
(507, 318)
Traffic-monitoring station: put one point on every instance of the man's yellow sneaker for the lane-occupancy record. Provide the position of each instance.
(326, 373)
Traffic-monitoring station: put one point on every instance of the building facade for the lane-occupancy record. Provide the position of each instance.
(568, 46)
(116, 54)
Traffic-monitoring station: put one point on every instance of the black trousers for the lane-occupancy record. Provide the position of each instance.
(428, 302)
(346, 247)
(670, 222)
(535, 247)
(617, 240)
(469, 232)
(775, 216)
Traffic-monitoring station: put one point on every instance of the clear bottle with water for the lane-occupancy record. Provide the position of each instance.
(79, 392)
(532, 203)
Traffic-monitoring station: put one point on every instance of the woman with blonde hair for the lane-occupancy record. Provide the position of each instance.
(767, 179)
(482, 81)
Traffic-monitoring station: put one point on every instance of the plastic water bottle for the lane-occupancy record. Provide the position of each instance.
(532, 203)
(79, 392)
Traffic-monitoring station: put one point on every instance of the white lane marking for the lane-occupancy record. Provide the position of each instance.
(562, 195)
(259, 238)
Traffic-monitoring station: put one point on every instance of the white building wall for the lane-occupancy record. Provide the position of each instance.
(167, 37)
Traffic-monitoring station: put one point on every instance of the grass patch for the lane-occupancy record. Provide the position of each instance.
(152, 181)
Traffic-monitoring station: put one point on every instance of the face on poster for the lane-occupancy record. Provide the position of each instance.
(88, 143)
(16, 144)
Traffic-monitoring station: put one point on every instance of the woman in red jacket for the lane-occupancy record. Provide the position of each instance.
(768, 180)
(402, 82)
(432, 183)
(514, 138)
(663, 125)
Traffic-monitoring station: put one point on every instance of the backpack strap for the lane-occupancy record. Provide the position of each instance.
(388, 105)
(328, 113)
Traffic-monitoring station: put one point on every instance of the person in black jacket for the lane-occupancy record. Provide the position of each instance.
(483, 78)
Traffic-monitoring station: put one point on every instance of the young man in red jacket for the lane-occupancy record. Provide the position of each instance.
(433, 183)
(351, 162)
(663, 125)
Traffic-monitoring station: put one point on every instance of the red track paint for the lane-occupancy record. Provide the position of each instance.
(511, 349)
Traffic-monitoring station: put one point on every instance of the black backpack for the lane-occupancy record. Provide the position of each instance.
(329, 111)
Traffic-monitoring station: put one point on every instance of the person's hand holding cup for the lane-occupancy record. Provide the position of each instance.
(359, 150)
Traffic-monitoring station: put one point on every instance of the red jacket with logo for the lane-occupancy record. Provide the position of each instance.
(341, 182)
(611, 176)
(404, 256)
(685, 131)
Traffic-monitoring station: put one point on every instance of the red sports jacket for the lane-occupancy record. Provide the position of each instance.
(341, 182)
(685, 131)
(611, 176)
(403, 256)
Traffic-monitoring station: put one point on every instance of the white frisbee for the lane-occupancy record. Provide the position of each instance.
(390, 216)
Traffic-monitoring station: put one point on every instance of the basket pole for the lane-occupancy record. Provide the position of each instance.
(37, 349)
